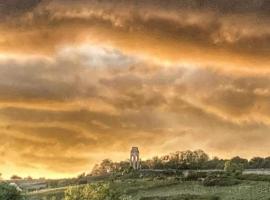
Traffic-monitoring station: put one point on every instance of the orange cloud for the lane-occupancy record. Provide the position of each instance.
(81, 80)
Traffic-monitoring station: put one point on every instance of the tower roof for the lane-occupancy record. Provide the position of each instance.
(135, 149)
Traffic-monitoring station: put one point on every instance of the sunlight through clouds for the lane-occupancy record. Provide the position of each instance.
(81, 79)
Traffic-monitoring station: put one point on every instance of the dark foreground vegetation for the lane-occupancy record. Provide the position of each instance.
(153, 185)
(185, 175)
(9, 192)
(194, 185)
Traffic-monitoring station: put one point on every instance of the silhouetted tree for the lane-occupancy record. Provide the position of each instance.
(15, 177)
(240, 161)
(266, 163)
(214, 163)
(256, 163)
(233, 167)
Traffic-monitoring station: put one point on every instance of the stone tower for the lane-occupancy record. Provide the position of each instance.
(134, 158)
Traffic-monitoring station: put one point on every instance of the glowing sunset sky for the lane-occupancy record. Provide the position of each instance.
(85, 80)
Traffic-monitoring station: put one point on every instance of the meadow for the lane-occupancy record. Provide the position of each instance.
(170, 189)
(185, 175)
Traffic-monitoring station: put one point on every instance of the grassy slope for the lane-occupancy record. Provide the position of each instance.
(248, 190)
(245, 191)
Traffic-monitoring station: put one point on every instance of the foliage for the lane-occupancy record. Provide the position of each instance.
(214, 163)
(194, 176)
(183, 160)
(92, 192)
(8, 192)
(240, 161)
(107, 166)
(143, 188)
(220, 180)
(178, 160)
(15, 177)
(254, 177)
(257, 163)
(233, 167)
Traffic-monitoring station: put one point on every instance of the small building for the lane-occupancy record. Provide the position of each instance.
(134, 158)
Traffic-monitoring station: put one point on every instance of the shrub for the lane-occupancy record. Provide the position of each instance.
(218, 173)
(194, 176)
(93, 192)
(8, 192)
(177, 178)
(254, 177)
(160, 178)
(233, 168)
(220, 181)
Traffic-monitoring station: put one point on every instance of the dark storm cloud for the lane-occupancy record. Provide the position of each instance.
(80, 80)
(17, 7)
(234, 32)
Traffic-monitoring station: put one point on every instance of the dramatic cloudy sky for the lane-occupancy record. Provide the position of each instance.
(84, 80)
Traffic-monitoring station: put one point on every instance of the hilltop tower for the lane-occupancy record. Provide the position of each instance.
(134, 158)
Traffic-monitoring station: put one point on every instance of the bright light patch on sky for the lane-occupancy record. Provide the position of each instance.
(81, 80)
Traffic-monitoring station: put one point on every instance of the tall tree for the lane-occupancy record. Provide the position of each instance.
(15, 177)
(240, 161)
(256, 163)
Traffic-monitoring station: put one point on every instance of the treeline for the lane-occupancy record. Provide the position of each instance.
(182, 160)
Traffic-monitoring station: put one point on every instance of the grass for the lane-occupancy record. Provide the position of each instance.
(245, 191)
(148, 189)
(181, 197)
(50, 194)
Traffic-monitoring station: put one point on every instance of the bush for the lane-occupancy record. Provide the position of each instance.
(177, 178)
(218, 173)
(254, 177)
(233, 168)
(93, 192)
(194, 176)
(220, 181)
(8, 192)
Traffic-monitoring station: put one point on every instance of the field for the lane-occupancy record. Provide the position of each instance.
(245, 191)
(145, 189)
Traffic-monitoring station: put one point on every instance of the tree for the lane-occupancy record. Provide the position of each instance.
(105, 167)
(9, 192)
(156, 163)
(28, 178)
(15, 177)
(193, 159)
(240, 161)
(232, 167)
(174, 161)
(147, 164)
(82, 175)
(186, 159)
(266, 163)
(123, 165)
(200, 158)
(96, 170)
(256, 163)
